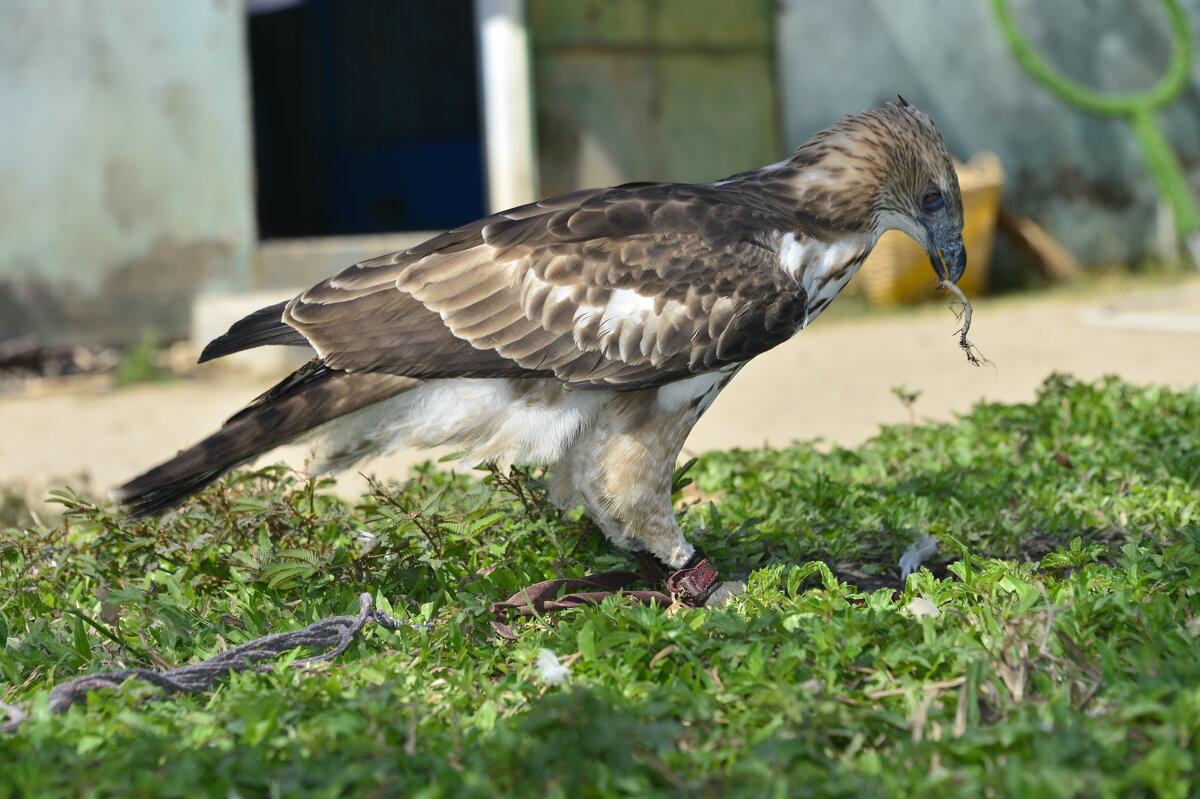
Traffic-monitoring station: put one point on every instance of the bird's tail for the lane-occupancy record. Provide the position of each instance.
(312, 396)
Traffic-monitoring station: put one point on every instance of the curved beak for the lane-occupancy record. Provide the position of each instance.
(947, 253)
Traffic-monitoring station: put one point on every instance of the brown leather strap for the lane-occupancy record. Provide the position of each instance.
(548, 596)
(690, 585)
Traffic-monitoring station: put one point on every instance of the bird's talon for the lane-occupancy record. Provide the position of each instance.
(724, 592)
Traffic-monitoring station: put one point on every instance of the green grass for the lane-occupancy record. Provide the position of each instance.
(1065, 661)
(141, 363)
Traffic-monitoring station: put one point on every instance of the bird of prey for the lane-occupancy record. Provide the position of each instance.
(587, 331)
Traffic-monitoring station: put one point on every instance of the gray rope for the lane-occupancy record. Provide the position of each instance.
(333, 634)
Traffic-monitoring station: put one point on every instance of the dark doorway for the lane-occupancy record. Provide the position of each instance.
(366, 116)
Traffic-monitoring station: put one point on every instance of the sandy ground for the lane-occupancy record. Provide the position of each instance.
(832, 382)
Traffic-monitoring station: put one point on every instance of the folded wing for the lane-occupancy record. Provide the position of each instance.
(622, 288)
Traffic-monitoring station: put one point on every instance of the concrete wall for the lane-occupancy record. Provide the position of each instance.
(1080, 176)
(680, 90)
(125, 167)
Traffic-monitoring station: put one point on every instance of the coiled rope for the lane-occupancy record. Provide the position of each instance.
(333, 634)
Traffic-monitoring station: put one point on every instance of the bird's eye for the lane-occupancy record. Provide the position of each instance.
(932, 200)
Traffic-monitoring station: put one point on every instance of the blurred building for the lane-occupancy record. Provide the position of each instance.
(154, 152)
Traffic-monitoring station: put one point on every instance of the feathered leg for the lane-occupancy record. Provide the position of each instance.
(621, 472)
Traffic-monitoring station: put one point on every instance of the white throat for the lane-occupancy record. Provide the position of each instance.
(822, 269)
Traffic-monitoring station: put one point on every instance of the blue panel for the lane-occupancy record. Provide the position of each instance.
(419, 185)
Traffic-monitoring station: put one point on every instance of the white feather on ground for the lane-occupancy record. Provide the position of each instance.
(915, 555)
(550, 670)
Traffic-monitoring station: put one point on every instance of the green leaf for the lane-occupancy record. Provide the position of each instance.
(80, 638)
(282, 576)
(302, 555)
(485, 717)
(585, 640)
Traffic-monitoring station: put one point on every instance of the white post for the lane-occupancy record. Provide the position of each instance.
(506, 85)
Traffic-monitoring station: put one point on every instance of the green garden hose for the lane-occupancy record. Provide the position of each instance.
(1140, 107)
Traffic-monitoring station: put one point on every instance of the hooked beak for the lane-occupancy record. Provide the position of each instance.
(947, 254)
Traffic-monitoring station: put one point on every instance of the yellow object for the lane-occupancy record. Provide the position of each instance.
(898, 271)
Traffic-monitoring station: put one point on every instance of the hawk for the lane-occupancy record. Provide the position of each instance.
(587, 331)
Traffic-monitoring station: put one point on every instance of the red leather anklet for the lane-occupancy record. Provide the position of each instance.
(692, 584)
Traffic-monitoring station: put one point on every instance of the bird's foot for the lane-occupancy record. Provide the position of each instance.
(654, 571)
(723, 592)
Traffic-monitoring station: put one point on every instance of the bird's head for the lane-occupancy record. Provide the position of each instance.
(893, 173)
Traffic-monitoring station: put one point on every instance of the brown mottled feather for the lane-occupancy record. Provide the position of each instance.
(494, 289)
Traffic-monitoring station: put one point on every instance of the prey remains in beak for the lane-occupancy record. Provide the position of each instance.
(947, 255)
